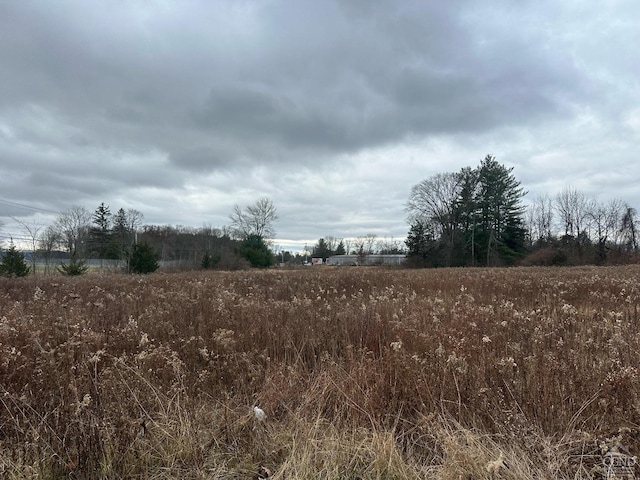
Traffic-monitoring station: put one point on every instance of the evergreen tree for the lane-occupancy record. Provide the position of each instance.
(420, 245)
(209, 260)
(74, 268)
(206, 261)
(100, 238)
(120, 236)
(466, 217)
(322, 250)
(500, 234)
(340, 249)
(13, 263)
(144, 259)
(254, 249)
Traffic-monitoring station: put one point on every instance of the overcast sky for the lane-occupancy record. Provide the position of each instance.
(181, 109)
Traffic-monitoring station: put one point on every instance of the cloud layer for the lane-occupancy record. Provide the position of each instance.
(334, 109)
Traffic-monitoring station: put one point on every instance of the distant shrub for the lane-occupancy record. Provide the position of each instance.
(546, 256)
(144, 259)
(74, 268)
(13, 263)
(210, 260)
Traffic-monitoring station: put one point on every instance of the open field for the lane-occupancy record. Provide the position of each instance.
(362, 373)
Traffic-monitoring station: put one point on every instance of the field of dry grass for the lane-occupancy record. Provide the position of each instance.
(363, 373)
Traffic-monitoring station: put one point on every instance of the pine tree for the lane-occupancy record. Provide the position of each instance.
(206, 261)
(322, 250)
(500, 235)
(74, 268)
(13, 263)
(420, 245)
(256, 251)
(209, 260)
(120, 234)
(144, 259)
(466, 216)
(100, 235)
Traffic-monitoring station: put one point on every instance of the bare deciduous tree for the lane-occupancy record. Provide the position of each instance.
(348, 244)
(48, 241)
(73, 226)
(390, 246)
(434, 200)
(574, 209)
(370, 243)
(32, 232)
(134, 219)
(628, 229)
(331, 242)
(605, 218)
(256, 219)
(542, 218)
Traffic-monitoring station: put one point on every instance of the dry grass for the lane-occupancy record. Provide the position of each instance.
(363, 373)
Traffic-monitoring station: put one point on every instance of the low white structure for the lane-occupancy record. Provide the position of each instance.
(365, 259)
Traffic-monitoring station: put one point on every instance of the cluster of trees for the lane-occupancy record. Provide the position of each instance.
(476, 217)
(122, 239)
(253, 226)
(572, 228)
(471, 217)
(246, 242)
(369, 244)
(101, 235)
(83, 235)
(328, 246)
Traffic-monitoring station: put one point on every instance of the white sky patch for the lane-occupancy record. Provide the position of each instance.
(632, 121)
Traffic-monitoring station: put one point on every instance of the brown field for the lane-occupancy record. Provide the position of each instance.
(363, 373)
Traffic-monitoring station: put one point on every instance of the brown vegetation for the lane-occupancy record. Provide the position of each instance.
(362, 373)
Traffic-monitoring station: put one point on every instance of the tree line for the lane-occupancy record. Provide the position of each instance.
(78, 235)
(472, 217)
(360, 246)
(572, 228)
(476, 217)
